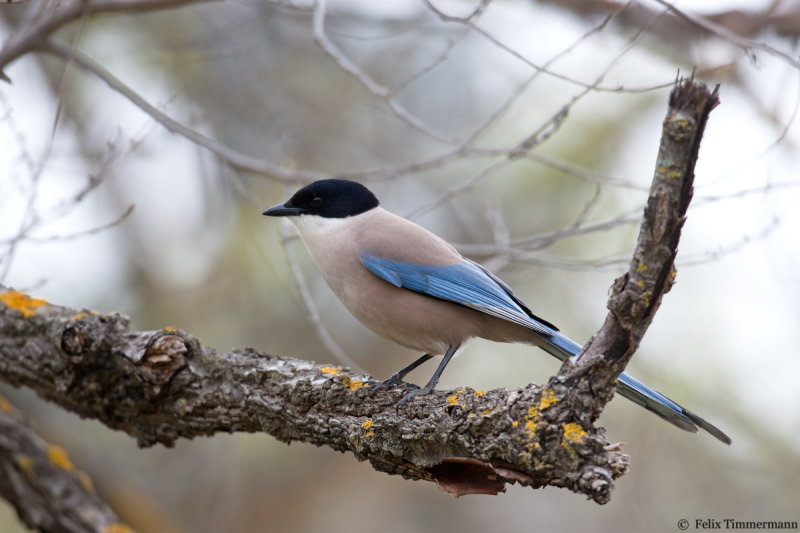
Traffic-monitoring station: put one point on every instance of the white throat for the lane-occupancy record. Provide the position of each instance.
(312, 227)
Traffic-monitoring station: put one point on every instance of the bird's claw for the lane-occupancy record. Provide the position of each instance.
(411, 395)
(388, 383)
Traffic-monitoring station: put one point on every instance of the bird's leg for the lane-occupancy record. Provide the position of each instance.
(434, 378)
(398, 376)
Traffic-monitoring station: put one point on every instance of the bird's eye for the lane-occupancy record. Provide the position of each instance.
(316, 201)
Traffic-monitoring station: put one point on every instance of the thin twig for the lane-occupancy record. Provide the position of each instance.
(385, 93)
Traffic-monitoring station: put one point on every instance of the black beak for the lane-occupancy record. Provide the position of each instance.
(283, 210)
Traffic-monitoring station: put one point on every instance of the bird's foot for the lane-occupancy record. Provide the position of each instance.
(389, 383)
(413, 394)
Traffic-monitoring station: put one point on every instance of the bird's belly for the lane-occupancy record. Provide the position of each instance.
(408, 318)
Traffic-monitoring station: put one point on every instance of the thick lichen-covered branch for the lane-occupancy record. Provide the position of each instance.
(159, 386)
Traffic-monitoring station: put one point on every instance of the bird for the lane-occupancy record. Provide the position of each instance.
(412, 287)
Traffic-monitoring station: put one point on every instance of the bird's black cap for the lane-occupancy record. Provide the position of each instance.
(332, 198)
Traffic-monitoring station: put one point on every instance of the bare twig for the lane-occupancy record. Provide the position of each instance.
(48, 17)
(234, 158)
(385, 93)
(721, 31)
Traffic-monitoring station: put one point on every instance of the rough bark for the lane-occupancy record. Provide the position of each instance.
(636, 296)
(159, 386)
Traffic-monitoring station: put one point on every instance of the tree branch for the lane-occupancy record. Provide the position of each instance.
(159, 386)
(636, 296)
(47, 21)
(43, 485)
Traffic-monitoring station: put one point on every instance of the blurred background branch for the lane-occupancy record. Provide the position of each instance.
(43, 485)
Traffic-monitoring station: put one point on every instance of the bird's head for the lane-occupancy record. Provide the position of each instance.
(331, 198)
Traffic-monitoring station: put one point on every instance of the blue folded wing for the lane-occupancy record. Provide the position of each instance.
(465, 283)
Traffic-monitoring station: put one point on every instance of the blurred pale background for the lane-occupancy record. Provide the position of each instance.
(195, 252)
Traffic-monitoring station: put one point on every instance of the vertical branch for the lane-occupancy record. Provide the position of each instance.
(636, 296)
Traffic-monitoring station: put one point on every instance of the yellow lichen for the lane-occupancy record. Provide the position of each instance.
(356, 384)
(86, 481)
(646, 297)
(117, 528)
(58, 457)
(453, 399)
(489, 410)
(78, 316)
(25, 463)
(674, 174)
(21, 302)
(573, 432)
(368, 424)
(352, 384)
(480, 393)
(5, 405)
(514, 423)
(170, 329)
(330, 370)
(547, 398)
(641, 267)
(640, 283)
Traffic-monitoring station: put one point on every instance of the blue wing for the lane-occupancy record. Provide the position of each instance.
(465, 283)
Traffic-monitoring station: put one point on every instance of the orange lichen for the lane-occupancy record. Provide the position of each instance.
(25, 463)
(367, 425)
(86, 481)
(58, 457)
(21, 302)
(117, 528)
(547, 399)
(352, 384)
(453, 399)
(5, 405)
(480, 393)
(330, 370)
(534, 416)
(573, 432)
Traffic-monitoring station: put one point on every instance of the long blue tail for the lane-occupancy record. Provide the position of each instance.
(636, 391)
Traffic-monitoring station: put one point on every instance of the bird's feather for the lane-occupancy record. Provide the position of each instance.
(464, 283)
